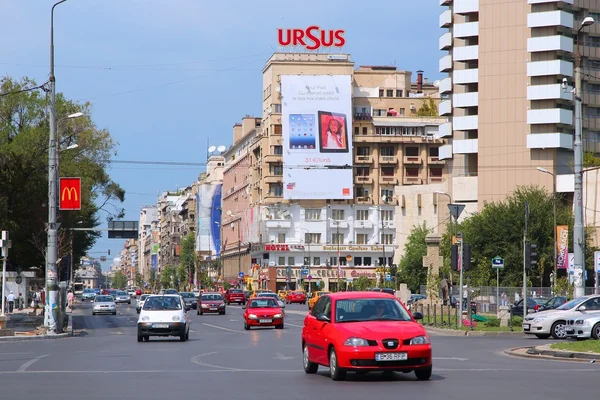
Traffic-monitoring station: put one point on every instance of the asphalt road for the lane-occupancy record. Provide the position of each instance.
(222, 361)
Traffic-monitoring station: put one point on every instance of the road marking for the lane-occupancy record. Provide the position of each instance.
(192, 371)
(117, 333)
(294, 325)
(23, 368)
(450, 358)
(196, 360)
(279, 356)
(222, 328)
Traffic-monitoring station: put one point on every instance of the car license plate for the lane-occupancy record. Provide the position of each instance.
(526, 327)
(570, 331)
(213, 309)
(265, 321)
(391, 356)
(160, 325)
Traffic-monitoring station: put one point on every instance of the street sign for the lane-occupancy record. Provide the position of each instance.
(309, 278)
(388, 277)
(241, 275)
(497, 262)
(456, 209)
(597, 261)
(318, 283)
(304, 271)
(70, 194)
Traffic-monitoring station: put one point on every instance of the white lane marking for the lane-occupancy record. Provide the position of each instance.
(294, 325)
(222, 328)
(196, 360)
(27, 364)
(450, 358)
(279, 356)
(192, 371)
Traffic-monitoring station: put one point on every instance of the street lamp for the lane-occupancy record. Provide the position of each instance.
(51, 253)
(545, 171)
(578, 229)
(309, 255)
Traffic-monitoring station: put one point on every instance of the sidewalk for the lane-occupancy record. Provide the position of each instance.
(27, 324)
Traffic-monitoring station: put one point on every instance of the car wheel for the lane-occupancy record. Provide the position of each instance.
(93, 313)
(115, 313)
(279, 326)
(140, 338)
(129, 302)
(423, 374)
(182, 337)
(246, 326)
(558, 330)
(137, 310)
(336, 373)
(542, 335)
(596, 331)
(146, 338)
(309, 367)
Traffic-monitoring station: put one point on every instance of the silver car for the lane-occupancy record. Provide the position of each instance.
(104, 304)
(584, 327)
(88, 294)
(122, 297)
(140, 302)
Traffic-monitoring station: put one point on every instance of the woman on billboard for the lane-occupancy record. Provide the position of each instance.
(333, 132)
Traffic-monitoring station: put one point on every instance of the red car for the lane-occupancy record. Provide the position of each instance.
(296, 297)
(263, 311)
(363, 332)
(138, 292)
(210, 303)
(235, 296)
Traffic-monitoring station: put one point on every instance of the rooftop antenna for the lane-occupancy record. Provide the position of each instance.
(221, 149)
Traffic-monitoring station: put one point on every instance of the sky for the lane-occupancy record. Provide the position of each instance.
(166, 77)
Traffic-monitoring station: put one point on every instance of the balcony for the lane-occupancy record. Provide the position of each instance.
(274, 158)
(363, 159)
(445, 41)
(445, 107)
(446, 85)
(466, 53)
(363, 117)
(278, 223)
(412, 180)
(550, 116)
(363, 224)
(363, 200)
(470, 99)
(388, 180)
(465, 146)
(466, 123)
(550, 43)
(414, 160)
(549, 18)
(549, 92)
(445, 63)
(549, 68)
(550, 141)
(445, 130)
(435, 160)
(273, 178)
(333, 223)
(388, 160)
(465, 30)
(466, 6)
(465, 76)
(445, 152)
(365, 180)
(445, 19)
(435, 179)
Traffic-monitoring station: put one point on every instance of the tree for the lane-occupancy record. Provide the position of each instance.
(410, 268)
(119, 280)
(24, 132)
(187, 258)
(139, 280)
(152, 278)
(428, 108)
(167, 276)
(362, 283)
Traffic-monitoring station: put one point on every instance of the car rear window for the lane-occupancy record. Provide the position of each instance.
(235, 291)
(103, 299)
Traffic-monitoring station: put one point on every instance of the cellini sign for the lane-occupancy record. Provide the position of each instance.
(311, 38)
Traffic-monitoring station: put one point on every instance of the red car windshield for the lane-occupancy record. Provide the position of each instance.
(361, 310)
(265, 302)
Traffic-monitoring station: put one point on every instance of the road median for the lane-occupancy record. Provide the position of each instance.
(545, 352)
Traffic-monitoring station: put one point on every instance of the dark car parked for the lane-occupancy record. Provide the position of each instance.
(533, 305)
(553, 303)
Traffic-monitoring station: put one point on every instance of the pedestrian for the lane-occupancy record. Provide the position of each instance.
(503, 299)
(70, 298)
(11, 302)
(465, 297)
(43, 301)
(21, 301)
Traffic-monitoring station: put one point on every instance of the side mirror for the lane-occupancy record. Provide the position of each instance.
(243, 307)
(581, 308)
(323, 318)
(417, 316)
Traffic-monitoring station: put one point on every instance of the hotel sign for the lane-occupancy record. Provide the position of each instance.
(282, 248)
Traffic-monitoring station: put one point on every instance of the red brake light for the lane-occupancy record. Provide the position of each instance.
(537, 307)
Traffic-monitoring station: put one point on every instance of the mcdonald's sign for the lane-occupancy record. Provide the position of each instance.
(70, 194)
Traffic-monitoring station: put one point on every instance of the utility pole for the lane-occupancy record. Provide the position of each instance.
(525, 260)
(460, 266)
(5, 244)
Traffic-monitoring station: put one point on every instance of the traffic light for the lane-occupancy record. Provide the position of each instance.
(454, 257)
(531, 255)
(467, 257)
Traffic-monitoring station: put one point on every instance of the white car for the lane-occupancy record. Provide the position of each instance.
(104, 304)
(163, 315)
(140, 302)
(584, 327)
(553, 323)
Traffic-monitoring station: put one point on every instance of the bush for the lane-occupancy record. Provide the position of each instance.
(493, 322)
(517, 321)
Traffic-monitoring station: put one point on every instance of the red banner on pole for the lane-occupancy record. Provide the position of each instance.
(562, 247)
(70, 194)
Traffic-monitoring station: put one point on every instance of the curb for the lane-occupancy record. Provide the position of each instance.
(460, 332)
(68, 333)
(560, 355)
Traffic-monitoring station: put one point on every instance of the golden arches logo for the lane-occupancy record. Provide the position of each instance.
(71, 192)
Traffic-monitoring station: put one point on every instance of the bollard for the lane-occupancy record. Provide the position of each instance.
(435, 315)
(456, 316)
(510, 320)
(442, 315)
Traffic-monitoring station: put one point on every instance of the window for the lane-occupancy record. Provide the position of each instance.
(593, 41)
(387, 215)
(362, 171)
(367, 261)
(316, 260)
(387, 171)
(364, 130)
(278, 150)
(276, 170)
(389, 93)
(277, 129)
(412, 172)
(362, 238)
(306, 261)
(387, 238)
(362, 215)
(412, 152)
(388, 193)
(312, 214)
(380, 92)
(337, 238)
(356, 130)
(281, 238)
(275, 189)
(435, 172)
(337, 215)
(434, 151)
(398, 92)
(363, 151)
(291, 261)
(388, 151)
(281, 261)
(402, 111)
(358, 261)
(312, 238)
(277, 109)
(361, 191)
(378, 112)
(342, 261)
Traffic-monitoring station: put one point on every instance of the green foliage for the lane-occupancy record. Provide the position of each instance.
(428, 108)
(152, 278)
(493, 322)
(24, 136)
(563, 287)
(139, 280)
(362, 283)
(167, 277)
(119, 280)
(517, 321)
(410, 269)
(590, 160)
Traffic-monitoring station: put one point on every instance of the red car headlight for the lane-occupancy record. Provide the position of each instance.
(420, 340)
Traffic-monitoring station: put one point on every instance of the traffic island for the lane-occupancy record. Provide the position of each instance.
(24, 332)
(548, 352)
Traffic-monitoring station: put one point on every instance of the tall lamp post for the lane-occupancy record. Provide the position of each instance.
(578, 229)
(308, 242)
(545, 171)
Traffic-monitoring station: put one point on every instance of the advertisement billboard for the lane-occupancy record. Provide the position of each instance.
(317, 136)
(208, 200)
(562, 247)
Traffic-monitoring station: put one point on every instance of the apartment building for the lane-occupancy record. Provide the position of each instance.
(509, 114)
(171, 225)
(269, 238)
(147, 224)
